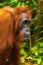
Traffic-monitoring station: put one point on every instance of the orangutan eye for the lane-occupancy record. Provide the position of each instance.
(25, 22)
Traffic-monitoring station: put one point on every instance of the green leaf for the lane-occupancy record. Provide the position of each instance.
(23, 52)
(22, 60)
(39, 60)
(1, 4)
(41, 44)
(19, 4)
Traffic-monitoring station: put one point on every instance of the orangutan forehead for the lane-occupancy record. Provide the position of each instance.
(24, 16)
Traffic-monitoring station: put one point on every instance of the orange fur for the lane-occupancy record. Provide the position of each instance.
(9, 42)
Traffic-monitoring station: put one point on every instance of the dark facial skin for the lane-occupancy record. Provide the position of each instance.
(24, 27)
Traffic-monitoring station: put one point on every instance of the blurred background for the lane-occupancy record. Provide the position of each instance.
(32, 51)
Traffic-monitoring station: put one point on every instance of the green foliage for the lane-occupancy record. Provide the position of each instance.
(1, 4)
(19, 2)
(36, 53)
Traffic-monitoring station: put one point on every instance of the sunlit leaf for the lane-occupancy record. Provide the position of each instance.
(39, 60)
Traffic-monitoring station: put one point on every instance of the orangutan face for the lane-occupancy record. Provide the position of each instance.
(24, 26)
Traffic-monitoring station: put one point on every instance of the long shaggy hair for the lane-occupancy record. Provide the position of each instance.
(9, 40)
